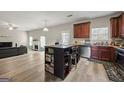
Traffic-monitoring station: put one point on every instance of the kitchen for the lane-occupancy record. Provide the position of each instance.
(62, 46)
(99, 45)
(70, 46)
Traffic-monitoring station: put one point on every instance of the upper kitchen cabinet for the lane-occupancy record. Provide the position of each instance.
(114, 24)
(122, 25)
(77, 31)
(82, 30)
(85, 32)
(117, 26)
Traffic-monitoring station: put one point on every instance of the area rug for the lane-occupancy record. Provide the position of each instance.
(114, 72)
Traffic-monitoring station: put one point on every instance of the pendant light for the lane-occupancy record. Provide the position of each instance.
(45, 29)
(10, 27)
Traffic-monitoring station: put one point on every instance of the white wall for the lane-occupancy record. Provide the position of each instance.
(54, 33)
(19, 37)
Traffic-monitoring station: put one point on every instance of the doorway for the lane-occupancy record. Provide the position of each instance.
(42, 42)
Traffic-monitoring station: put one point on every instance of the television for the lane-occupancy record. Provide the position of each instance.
(5, 44)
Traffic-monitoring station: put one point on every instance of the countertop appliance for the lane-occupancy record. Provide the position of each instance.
(85, 51)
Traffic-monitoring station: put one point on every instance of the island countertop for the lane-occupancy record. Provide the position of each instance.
(71, 45)
(60, 46)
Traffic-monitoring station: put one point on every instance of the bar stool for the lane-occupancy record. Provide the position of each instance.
(68, 55)
(74, 56)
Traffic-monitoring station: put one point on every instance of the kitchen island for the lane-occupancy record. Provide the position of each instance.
(60, 59)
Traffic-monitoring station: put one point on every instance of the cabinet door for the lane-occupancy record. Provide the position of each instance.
(113, 54)
(94, 53)
(114, 26)
(120, 25)
(77, 30)
(85, 30)
(82, 30)
(105, 54)
(122, 31)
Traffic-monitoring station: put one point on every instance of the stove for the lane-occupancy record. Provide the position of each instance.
(120, 55)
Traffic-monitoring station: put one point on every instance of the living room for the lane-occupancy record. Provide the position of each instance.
(29, 49)
(61, 46)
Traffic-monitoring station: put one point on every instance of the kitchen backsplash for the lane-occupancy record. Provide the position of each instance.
(81, 41)
(118, 41)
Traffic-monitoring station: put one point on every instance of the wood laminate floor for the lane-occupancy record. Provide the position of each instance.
(30, 68)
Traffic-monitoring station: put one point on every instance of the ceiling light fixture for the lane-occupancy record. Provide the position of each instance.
(10, 27)
(45, 29)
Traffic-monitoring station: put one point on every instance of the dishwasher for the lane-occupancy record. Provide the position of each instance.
(85, 51)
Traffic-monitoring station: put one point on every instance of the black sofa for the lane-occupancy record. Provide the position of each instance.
(12, 51)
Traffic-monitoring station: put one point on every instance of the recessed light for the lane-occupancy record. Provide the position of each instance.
(69, 15)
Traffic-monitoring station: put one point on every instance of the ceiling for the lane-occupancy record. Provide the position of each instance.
(28, 20)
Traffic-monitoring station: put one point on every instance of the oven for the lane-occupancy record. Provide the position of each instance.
(120, 56)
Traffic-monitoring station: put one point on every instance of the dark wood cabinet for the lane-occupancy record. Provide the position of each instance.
(77, 31)
(117, 26)
(122, 25)
(103, 53)
(85, 30)
(113, 54)
(94, 52)
(82, 30)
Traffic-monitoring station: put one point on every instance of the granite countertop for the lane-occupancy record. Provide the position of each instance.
(60, 46)
(67, 46)
(107, 46)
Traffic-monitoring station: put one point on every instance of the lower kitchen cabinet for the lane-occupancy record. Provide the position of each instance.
(113, 54)
(94, 53)
(103, 53)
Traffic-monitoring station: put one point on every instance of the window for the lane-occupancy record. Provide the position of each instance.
(30, 41)
(99, 34)
(65, 38)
